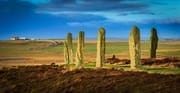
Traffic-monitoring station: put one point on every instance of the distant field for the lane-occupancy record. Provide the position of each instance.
(49, 51)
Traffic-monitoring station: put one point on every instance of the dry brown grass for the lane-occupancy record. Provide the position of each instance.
(54, 79)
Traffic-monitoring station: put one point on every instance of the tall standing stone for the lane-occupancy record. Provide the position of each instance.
(66, 53)
(134, 47)
(80, 50)
(70, 46)
(153, 43)
(100, 48)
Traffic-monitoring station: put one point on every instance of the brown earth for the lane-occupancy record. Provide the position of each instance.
(57, 79)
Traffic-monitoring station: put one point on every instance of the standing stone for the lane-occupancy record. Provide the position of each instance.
(70, 47)
(134, 47)
(153, 43)
(66, 53)
(100, 48)
(80, 50)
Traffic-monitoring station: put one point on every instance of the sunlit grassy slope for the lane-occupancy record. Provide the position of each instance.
(47, 48)
(47, 52)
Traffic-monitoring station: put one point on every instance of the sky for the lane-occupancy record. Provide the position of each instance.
(48, 19)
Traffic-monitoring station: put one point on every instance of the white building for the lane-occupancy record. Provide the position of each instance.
(14, 38)
(18, 38)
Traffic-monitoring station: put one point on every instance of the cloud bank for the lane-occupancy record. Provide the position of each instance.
(60, 16)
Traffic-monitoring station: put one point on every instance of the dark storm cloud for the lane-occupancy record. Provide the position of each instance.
(100, 1)
(94, 5)
(63, 1)
(16, 6)
(137, 13)
(21, 14)
(14, 11)
(20, 7)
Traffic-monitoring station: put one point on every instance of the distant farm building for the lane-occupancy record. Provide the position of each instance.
(14, 38)
(19, 38)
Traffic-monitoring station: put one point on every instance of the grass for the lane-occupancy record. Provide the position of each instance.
(33, 48)
(45, 51)
(114, 78)
(161, 70)
(28, 48)
(56, 79)
(149, 69)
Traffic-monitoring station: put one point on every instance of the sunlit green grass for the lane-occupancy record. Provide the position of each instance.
(44, 48)
(161, 70)
(149, 69)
